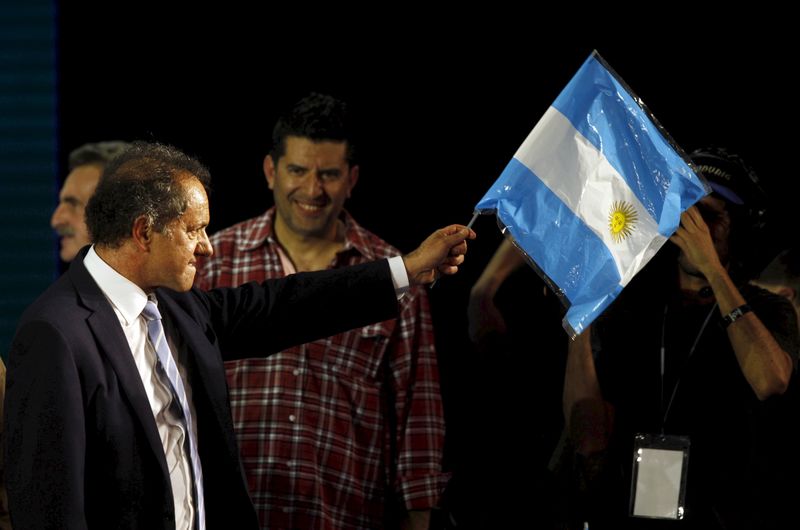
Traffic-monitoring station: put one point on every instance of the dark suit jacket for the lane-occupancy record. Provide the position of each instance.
(83, 450)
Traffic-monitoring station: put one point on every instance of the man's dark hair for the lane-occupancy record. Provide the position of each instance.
(145, 180)
(99, 153)
(318, 117)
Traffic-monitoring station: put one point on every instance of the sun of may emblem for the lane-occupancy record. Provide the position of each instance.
(622, 220)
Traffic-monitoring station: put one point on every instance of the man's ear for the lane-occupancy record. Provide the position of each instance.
(270, 168)
(353, 178)
(142, 233)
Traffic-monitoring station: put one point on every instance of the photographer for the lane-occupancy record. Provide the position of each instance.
(698, 356)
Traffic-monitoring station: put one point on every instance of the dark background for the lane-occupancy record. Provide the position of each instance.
(443, 105)
(443, 102)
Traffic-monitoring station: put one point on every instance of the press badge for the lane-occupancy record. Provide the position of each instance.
(658, 485)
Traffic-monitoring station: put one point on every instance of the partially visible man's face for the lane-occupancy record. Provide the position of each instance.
(310, 184)
(173, 252)
(715, 213)
(68, 218)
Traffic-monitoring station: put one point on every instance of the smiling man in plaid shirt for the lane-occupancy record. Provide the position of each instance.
(345, 432)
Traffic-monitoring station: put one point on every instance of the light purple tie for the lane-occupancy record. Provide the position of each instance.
(155, 332)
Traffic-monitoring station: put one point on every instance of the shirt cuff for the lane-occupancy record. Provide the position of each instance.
(423, 492)
(399, 276)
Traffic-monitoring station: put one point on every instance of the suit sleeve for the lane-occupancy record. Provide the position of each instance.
(45, 437)
(269, 317)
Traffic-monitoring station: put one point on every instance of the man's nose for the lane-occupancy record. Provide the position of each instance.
(204, 246)
(312, 184)
(58, 216)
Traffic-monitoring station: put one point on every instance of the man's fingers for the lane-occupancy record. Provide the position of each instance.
(693, 219)
(448, 269)
(453, 260)
(456, 233)
(459, 249)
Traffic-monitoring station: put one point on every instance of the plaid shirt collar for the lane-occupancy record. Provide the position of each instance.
(261, 233)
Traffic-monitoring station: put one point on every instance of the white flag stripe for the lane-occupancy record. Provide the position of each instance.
(575, 171)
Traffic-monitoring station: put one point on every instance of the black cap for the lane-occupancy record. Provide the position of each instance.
(730, 177)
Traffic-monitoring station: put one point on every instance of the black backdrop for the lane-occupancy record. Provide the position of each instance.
(443, 103)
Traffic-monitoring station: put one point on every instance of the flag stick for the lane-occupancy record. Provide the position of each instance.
(471, 221)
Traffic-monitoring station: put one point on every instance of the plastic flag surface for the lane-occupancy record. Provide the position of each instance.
(593, 192)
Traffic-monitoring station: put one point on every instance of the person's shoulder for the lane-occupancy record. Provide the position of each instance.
(372, 243)
(242, 232)
(189, 301)
(189, 308)
(231, 243)
(378, 248)
(58, 303)
(54, 320)
(238, 230)
(775, 311)
(756, 296)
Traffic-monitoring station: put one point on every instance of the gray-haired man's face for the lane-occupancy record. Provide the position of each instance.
(68, 219)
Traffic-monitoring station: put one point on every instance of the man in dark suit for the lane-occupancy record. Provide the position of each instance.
(114, 421)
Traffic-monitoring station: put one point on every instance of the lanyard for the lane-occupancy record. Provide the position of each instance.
(663, 357)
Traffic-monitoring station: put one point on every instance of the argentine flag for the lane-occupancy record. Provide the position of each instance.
(593, 192)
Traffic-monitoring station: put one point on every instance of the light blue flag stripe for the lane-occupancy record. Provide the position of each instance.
(541, 223)
(603, 111)
(593, 192)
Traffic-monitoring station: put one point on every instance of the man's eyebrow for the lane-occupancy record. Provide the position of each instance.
(74, 201)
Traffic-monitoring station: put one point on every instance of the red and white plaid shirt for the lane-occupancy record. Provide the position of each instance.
(330, 430)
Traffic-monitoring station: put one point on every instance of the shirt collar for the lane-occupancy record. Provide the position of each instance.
(127, 297)
(262, 233)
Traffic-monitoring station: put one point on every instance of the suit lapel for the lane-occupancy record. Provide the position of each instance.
(111, 342)
(204, 366)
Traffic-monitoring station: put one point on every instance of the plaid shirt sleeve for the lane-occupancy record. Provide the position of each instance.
(414, 376)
